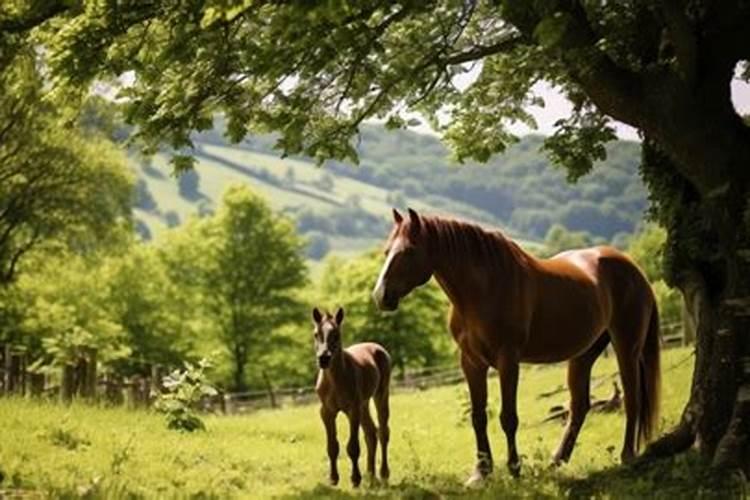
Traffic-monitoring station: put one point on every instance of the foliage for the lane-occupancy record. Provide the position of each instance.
(183, 390)
(432, 449)
(244, 265)
(64, 313)
(559, 239)
(56, 183)
(647, 249)
(415, 335)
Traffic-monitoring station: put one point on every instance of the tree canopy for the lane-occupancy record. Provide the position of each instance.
(244, 267)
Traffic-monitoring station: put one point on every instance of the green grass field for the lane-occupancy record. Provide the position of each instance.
(82, 450)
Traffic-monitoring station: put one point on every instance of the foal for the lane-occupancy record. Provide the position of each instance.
(348, 378)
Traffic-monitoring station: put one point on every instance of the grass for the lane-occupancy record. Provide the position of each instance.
(82, 450)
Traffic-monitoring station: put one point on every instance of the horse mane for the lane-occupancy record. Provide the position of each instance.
(461, 240)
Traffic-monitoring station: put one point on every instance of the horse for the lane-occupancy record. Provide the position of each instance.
(347, 380)
(509, 307)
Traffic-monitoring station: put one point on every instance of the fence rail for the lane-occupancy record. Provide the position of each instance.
(82, 379)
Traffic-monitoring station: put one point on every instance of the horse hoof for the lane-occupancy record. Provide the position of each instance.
(356, 480)
(557, 462)
(333, 481)
(476, 480)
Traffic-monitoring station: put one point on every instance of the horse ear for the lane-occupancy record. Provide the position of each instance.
(339, 315)
(415, 223)
(316, 316)
(397, 217)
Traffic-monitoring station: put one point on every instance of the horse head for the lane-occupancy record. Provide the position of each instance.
(407, 263)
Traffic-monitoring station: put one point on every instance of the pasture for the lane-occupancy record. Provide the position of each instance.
(79, 450)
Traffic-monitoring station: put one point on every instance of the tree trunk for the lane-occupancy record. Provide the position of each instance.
(708, 255)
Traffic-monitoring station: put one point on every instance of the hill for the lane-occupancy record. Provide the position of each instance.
(346, 207)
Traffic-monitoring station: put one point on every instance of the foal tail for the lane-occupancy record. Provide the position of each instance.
(650, 381)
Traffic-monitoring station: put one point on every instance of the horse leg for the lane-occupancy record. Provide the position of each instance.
(384, 432)
(627, 351)
(579, 384)
(371, 440)
(329, 421)
(508, 369)
(352, 447)
(476, 377)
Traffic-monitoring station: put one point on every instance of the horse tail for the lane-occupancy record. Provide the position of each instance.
(650, 380)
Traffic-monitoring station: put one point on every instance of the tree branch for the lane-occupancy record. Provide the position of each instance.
(682, 37)
(481, 51)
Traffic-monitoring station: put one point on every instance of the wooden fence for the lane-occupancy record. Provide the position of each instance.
(81, 380)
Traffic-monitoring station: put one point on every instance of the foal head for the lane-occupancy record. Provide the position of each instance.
(327, 335)
(407, 264)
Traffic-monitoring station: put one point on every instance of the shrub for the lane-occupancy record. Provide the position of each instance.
(183, 390)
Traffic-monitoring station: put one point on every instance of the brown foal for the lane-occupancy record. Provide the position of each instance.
(348, 378)
(510, 307)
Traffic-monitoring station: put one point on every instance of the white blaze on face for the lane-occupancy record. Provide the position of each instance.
(378, 292)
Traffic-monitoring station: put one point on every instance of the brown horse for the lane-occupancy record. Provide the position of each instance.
(509, 307)
(348, 378)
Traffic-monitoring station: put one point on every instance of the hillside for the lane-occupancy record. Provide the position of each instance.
(346, 208)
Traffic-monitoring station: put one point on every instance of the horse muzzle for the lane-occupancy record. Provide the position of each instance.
(324, 361)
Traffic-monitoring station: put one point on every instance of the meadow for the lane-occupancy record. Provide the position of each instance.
(48, 449)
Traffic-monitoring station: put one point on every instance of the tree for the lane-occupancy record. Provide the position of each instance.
(314, 72)
(245, 266)
(559, 239)
(148, 306)
(415, 335)
(646, 248)
(55, 182)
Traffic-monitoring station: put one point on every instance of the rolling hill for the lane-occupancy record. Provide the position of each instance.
(346, 208)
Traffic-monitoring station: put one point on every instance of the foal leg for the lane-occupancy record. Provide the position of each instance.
(476, 377)
(579, 384)
(384, 432)
(508, 369)
(329, 421)
(352, 448)
(371, 439)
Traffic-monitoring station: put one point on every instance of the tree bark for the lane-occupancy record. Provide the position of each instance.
(709, 241)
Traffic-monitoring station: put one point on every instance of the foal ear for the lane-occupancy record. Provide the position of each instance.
(339, 315)
(316, 316)
(397, 217)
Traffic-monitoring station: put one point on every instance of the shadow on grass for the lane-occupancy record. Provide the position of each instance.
(430, 487)
(685, 476)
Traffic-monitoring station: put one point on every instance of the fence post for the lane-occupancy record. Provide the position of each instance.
(113, 389)
(68, 383)
(89, 374)
(269, 388)
(37, 382)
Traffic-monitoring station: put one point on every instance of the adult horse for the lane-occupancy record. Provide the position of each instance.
(510, 307)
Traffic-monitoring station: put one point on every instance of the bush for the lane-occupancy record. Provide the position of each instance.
(183, 390)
